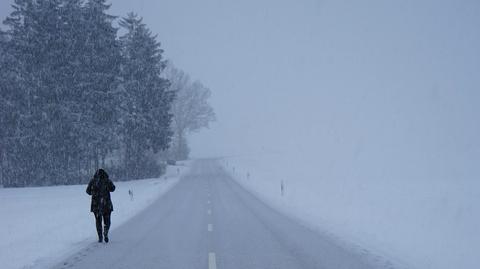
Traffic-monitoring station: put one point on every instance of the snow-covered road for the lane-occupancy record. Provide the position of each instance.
(208, 221)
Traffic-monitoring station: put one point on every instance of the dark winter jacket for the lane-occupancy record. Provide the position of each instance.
(99, 188)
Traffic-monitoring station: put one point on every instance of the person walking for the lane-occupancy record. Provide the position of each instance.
(99, 188)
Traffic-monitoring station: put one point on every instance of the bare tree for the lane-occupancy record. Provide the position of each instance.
(191, 110)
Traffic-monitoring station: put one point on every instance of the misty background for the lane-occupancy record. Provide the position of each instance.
(378, 88)
(360, 119)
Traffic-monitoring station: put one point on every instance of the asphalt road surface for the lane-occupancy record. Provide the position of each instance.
(209, 221)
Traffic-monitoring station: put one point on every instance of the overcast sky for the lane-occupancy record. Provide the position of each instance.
(382, 77)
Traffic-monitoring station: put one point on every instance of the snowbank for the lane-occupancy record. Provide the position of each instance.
(410, 223)
(40, 225)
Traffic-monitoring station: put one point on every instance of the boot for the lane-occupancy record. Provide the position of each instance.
(100, 238)
(98, 225)
(106, 234)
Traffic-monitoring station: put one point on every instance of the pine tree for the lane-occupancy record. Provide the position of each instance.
(66, 61)
(8, 115)
(101, 62)
(146, 118)
(25, 46)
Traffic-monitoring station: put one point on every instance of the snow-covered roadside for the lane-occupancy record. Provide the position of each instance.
(431, 224)
(40, 225)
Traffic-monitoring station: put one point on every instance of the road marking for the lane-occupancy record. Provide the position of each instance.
(212, 263)
(208, 202)
(210, 227)
(209, 212)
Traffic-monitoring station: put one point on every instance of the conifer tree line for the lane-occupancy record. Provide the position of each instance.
(77, 95)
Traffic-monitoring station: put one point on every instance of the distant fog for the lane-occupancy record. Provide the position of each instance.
(394, 84)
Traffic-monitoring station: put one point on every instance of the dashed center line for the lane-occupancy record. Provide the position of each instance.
(210, 227)
(212, 263)
(208, 202)
(209, 212)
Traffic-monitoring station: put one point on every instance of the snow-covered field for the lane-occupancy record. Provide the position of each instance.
(41, 225)
(429, 224)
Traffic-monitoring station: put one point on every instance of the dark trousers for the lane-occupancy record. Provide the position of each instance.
(106, 222)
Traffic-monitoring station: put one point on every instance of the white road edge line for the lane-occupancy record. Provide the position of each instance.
(212, 263)
(210, 227)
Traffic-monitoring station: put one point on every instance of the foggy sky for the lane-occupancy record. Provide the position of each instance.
(333, 80)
